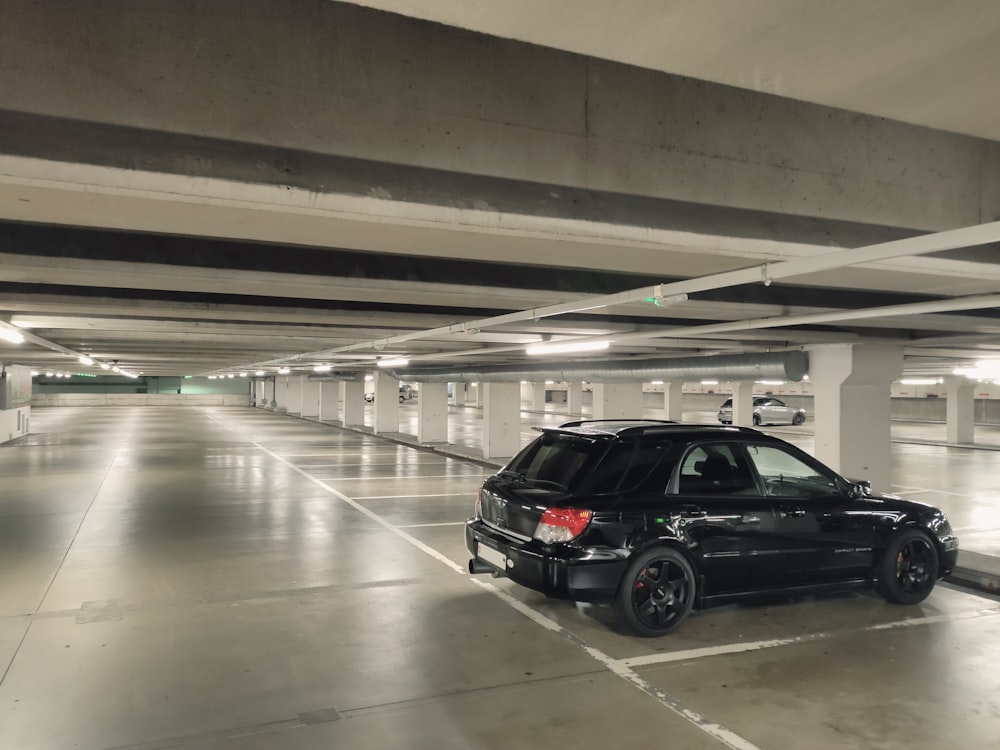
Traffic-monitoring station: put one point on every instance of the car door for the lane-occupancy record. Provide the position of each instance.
(774, 411)
(724, 517)
(822, 534)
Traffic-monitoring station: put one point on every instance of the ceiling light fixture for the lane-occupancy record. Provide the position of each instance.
(284, 370)
(8, 334)
(573, 346)
(671, 299)
(396, 362)
(105, 366)
(85, 360)
(322, 368)
(259, 373)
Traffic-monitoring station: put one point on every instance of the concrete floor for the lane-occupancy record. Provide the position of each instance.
(235, 579)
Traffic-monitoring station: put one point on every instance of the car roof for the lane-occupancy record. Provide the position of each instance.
(617, 428)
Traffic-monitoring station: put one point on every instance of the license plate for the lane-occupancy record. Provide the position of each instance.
(491, 556)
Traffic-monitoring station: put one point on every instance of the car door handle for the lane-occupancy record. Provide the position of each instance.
(749, 518)
(792, 512)
(693, 511)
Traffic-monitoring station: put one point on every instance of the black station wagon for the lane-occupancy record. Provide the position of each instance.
(658, 518)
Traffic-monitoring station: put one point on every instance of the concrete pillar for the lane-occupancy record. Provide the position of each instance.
(960, 409)
(743, 402)
(269, 400)
(354, 403)
(538, 396)
(458, 393)
(294, 395)
(432, 413)
(617, 400)
(574, 399)
(501, 419)
(281, 392)
(310, 397)
(672, 400)
(386, 402)
(851, 383)
(329, 401)
(477, 389)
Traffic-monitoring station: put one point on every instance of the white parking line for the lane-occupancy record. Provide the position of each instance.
(727, 737)
(738, 648)
(407, 497)
(905, 488)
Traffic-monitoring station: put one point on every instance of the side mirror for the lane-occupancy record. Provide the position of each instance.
(859, 489)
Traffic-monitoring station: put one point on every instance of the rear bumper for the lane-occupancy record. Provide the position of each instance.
(561, 571)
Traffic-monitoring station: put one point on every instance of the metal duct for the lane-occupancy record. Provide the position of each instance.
(791, 366)
(347, 375)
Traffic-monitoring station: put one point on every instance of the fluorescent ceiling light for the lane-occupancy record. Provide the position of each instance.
(656, 382)
(919, 381)
(85, 360)
(259, 372)
(105, 366)
(985, 369)
(12, 336)
(322, 368)
(243, 374)
(396, 362)
(771, 382)
(571, 346)
(709, 382)
(284, 370)
(230, 375)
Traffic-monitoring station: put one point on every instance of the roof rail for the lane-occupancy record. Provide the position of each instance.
(581, 422)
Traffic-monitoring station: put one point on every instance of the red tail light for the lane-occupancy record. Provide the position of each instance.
(562, 524)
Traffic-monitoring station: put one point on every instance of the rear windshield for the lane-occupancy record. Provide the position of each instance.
(593, 466)
(557, 459)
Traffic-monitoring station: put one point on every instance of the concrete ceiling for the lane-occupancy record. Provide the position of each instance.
(265, 282)
(917, 61)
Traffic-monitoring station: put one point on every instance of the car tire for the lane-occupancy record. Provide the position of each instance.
(656, 593)
(798, 419)
(908, 570)
(756, 420)
(402, 399)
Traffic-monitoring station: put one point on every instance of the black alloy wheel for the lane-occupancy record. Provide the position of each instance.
(799, 418)
(909, 568)
(656, 593)
(756, 420)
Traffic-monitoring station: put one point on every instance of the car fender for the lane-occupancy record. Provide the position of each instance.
(662, 538)
(890, 527)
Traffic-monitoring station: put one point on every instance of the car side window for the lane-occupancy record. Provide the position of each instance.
(787, 475)
(715, 469)
(632, 466)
